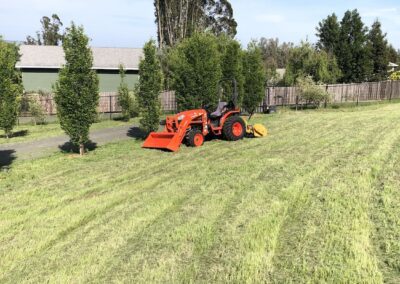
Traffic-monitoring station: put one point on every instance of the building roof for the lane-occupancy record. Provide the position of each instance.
(391, 64)
(104, 58)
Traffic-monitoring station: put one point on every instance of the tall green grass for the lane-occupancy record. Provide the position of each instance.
(316, 201)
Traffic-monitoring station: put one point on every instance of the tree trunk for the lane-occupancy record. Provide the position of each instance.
(81, 149)
(159, 20)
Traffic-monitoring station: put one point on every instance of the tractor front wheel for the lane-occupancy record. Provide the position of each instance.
(234, 128)
(195, 138)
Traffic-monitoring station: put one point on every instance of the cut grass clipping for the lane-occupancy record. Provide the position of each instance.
(316, 201)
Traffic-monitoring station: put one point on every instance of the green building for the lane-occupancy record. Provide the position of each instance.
(40, 65)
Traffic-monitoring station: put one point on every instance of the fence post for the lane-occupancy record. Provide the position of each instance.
(391, 90)
(358, 96)
(326, 90)
(110, 108)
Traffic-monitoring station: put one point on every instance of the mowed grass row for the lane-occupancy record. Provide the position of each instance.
(315, 201)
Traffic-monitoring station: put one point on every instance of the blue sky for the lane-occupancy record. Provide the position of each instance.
(129, 23)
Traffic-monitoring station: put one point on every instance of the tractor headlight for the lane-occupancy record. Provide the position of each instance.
(181, 117)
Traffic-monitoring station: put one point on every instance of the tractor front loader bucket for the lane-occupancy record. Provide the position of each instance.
(163, 140)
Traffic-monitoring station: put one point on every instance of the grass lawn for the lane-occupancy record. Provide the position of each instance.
(316, 201)
(30, 132)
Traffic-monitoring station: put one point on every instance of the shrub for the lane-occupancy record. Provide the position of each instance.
(36, 110)
(23, 103)
(310, 92)
(126, 98)
(29, 102)
(395, 76)
(77, 89)
(150, 85)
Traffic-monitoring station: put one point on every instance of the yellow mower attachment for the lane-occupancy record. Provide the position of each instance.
(256, 130)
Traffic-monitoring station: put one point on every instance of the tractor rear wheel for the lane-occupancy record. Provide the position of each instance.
(234, 128)
(195, 138)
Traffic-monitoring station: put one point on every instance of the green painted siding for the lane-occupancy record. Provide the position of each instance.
(39, 80)
(109, 81)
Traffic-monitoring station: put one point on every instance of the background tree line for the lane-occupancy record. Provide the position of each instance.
(362, 53)
(50, 34)
(347, 51)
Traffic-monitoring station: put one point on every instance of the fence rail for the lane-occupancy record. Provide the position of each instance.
(279, 96)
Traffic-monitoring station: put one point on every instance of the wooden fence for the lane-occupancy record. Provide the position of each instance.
(339, 93)
(279, 96)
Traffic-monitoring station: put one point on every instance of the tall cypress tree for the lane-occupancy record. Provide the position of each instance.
(77, 89)
(196, 71)
(352, 52)
(379, 49)
(10, 86)
(231, 67)
(328, 32)
(150, 86)
(254, 74)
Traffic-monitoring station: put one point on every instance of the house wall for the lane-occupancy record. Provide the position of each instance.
(43, 79)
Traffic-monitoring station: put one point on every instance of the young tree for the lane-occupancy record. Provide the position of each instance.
(77, 89)
(126, 99)
(150, 86)
(36, 110)
(50, 34)
(196, 71)
(310, 92)
(352, 52)
(254, 74)
(378, 47)
(10, 86)
(328, 32)
(231, 67)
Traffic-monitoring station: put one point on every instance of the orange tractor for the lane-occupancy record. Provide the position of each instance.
(193, 126)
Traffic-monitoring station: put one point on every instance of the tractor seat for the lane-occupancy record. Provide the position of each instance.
(220, 110)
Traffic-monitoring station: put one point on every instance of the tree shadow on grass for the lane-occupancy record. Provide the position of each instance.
(137, 133)
(69, 147)
(20, 133)
(6, 159)
(120, 118)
